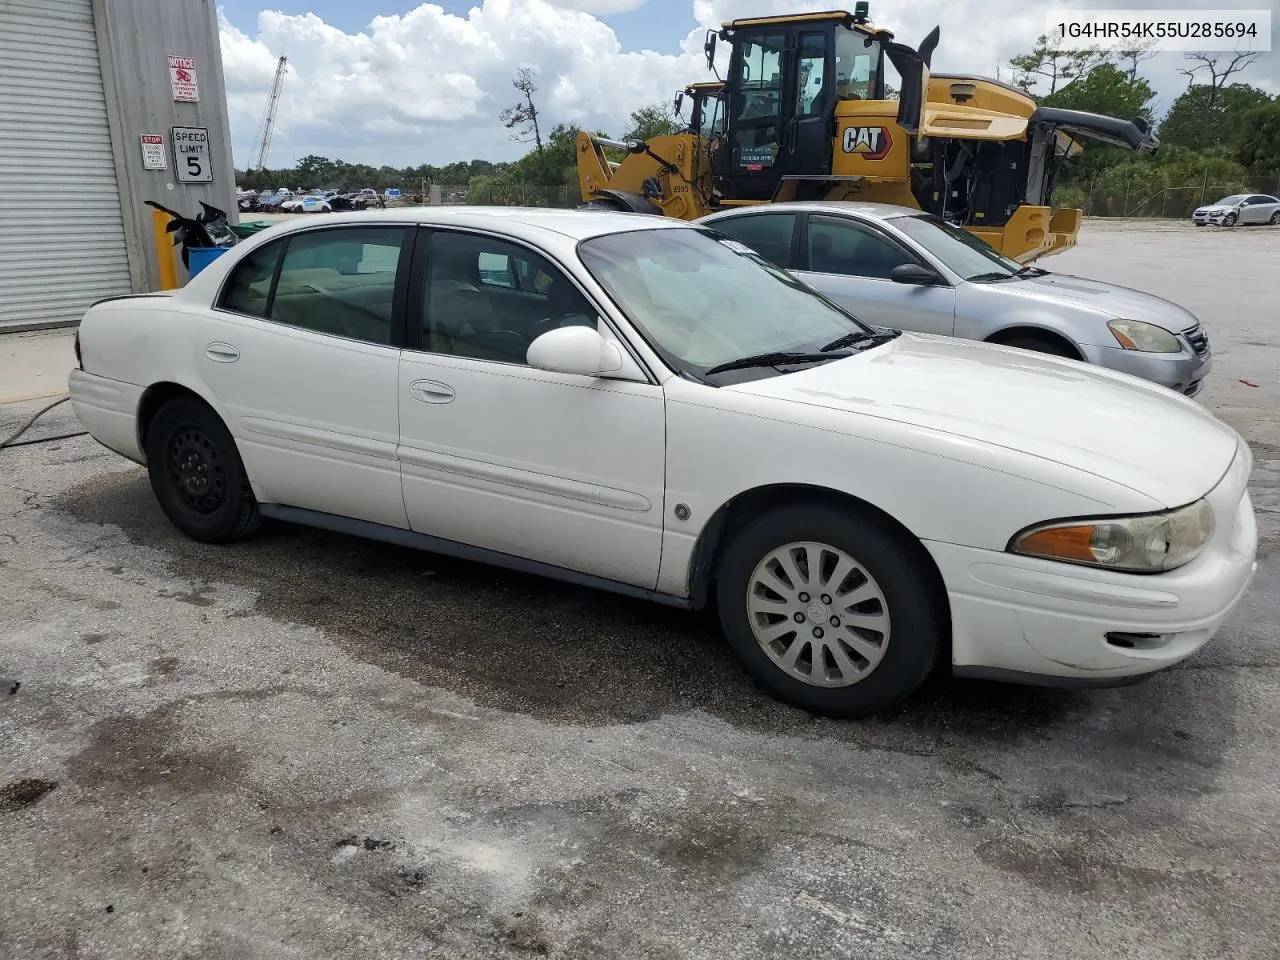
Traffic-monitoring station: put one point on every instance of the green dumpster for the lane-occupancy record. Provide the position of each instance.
(245, 230)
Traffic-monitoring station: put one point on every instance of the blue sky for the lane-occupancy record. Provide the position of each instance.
(658, 25)
(428, 85)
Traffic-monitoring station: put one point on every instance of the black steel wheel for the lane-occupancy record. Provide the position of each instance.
(196, 473)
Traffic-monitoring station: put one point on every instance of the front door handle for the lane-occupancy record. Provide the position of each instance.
(222, 352)
(431, 391)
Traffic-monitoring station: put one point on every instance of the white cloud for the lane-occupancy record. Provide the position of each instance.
(427, 86)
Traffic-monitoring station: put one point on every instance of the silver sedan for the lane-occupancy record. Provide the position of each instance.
(898, 268)
(1240, 208)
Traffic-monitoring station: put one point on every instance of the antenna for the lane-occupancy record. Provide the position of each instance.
(269, 121)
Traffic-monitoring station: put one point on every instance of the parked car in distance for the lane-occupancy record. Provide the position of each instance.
(639, 405)
(1239, 208)
(307, 204)
(899, 268)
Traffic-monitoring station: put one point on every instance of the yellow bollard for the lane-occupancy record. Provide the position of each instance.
(166, 252)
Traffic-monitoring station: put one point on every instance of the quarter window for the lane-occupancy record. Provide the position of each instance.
(488, 299)
(768, 234)
(340, 282)
(248, 288)
(850, 249)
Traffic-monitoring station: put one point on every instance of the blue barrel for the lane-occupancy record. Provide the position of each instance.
(201, 257)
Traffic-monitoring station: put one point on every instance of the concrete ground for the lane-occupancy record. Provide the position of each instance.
(311, 746)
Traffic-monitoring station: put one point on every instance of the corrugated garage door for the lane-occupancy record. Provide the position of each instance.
(62, 240)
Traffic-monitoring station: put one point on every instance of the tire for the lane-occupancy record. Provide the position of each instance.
(1040, 344)
(1275, 218)
(602, 205)
(1229, 220)
(894, 587)
(197, 475)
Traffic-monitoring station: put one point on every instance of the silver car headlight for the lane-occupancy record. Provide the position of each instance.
(1151, 543)
(1144, 337)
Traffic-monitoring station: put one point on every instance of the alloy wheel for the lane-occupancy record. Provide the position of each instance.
(818, 614)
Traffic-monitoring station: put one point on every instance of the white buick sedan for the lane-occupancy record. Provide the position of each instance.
(639, 405)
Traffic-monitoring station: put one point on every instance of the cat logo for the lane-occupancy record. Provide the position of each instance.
(870, 143)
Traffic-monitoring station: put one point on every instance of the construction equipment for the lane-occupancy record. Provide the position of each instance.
(269, 121)
(803, 115)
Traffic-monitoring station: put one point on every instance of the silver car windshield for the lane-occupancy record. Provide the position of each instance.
(969, 256)
(1230, 201)
(705, 300)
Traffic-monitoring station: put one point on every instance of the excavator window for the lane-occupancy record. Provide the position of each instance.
(760, 77)
(858, 67)
(812, 76)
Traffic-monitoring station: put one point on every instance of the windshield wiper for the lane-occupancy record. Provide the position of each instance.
(984, 277)
(1031, 271)
(871, 339)
(773, 359)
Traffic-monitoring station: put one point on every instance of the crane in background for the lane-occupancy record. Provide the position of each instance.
(269, 121)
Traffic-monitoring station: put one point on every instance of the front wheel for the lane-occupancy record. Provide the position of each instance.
(1229, 220)
(196, 473)
(829, 610)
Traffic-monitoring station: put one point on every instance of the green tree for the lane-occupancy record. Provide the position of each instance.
(1205, 116)
(653, 120)
(1049, 61)
(1106, 90)
(1259, 152)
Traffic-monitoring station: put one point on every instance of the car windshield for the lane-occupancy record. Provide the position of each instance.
(957, 248)
(704, 300)
(1230, 201)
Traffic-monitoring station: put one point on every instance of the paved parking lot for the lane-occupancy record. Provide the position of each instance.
(312, 746)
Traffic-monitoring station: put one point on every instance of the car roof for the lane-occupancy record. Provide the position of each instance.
(867, 209)
(575, 224)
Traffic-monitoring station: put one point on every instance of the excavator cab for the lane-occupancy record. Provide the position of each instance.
(706, 111)
(788, 79)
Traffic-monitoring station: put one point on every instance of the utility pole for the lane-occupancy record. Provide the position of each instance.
(269, 121)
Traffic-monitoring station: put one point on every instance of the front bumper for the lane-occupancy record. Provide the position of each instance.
(1019, 617)
(1215, 216)
(1182, 372)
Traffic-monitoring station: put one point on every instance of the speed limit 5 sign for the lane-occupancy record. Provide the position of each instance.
(192, 161)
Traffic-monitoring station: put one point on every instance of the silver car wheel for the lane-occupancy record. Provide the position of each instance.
(818, 614)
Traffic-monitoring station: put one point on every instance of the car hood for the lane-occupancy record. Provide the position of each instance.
(1129, 431)
(1108, 299)
(1214, 208)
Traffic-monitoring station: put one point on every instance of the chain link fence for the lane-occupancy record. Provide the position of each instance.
(507, 195)
(1128, 199)
(1139, 199)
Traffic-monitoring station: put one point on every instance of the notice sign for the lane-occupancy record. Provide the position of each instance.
(182, 79)
(191, 155)
(153, 155)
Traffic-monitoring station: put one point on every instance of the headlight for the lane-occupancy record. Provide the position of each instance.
(1144, 337)
(1146, 544)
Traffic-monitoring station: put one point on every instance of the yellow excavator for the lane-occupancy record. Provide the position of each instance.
(803, 115)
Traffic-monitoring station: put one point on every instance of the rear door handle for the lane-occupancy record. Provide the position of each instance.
(431, 391)
(222, 352)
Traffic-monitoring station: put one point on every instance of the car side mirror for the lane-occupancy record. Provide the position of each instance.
(914, 273)
(581, 351)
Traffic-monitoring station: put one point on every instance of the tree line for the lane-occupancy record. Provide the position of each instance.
(1219, 133)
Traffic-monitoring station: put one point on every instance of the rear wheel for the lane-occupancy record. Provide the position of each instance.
(197, 475)
(602, 203)
(830, 611)
(1275, 218)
